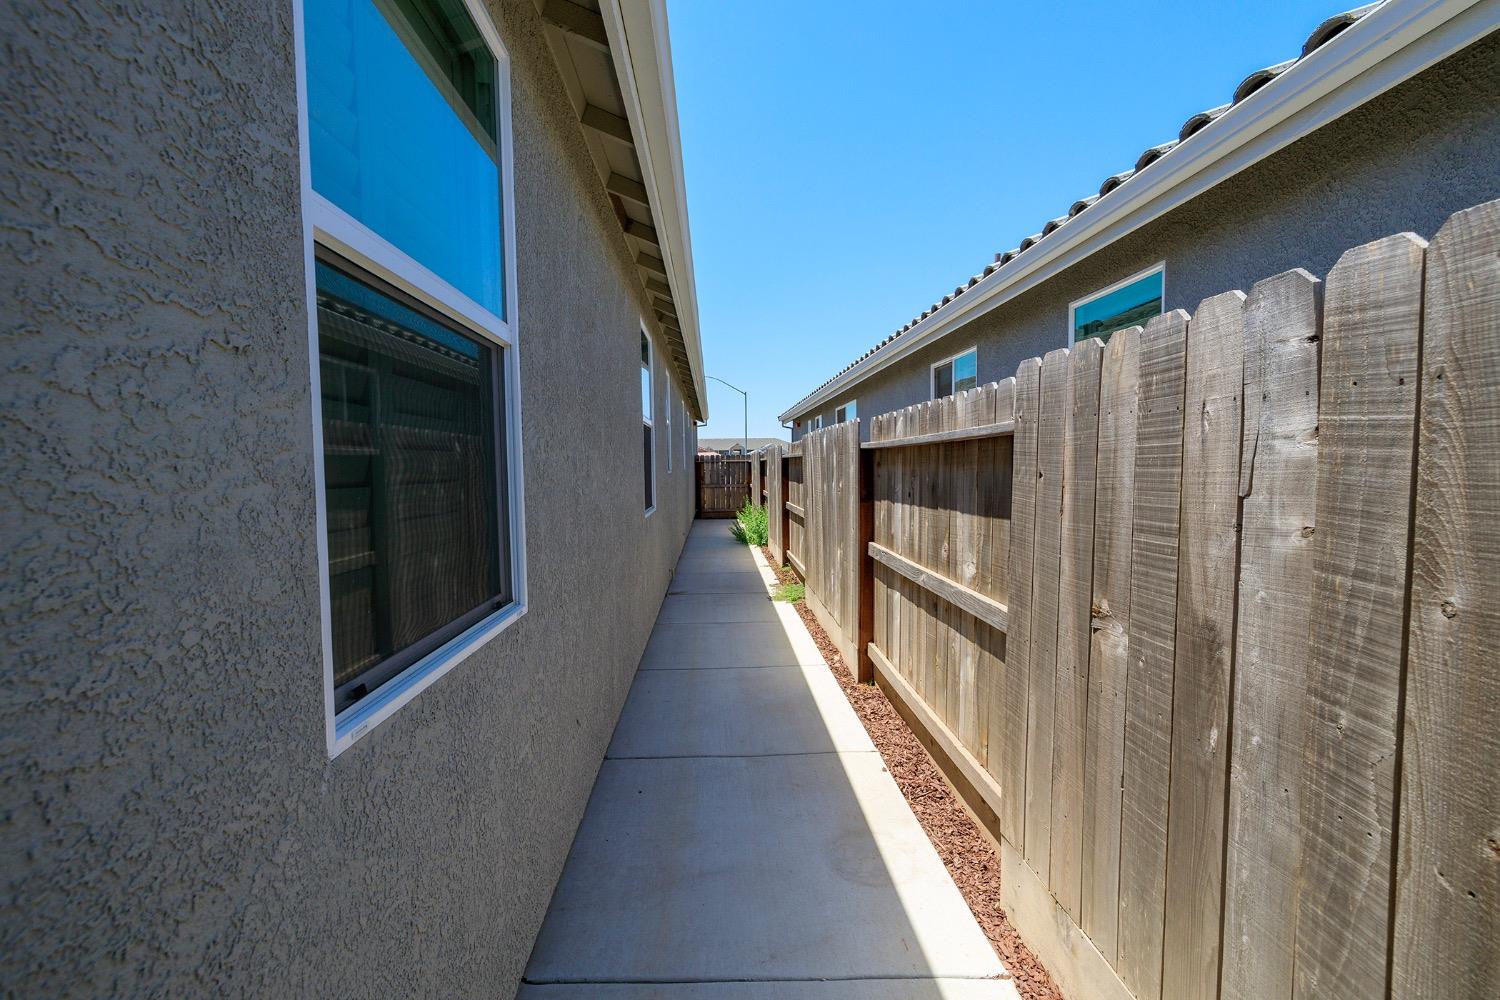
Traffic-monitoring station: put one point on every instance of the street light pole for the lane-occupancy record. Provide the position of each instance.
(742, 392)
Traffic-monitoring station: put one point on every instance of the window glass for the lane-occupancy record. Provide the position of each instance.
(1132, 304)
(648, 411)
(843, 413)
(966, 371)
(942, 380)
(401, 113)
(412, 479)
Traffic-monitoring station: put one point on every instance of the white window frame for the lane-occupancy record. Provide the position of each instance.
(817, 423)
(325, 224)
(932, 371)
(1076, 304)
(650, 420)
(668, 408)
(841, 412)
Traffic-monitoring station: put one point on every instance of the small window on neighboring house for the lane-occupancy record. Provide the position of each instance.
(1127, 303)
(407, 217)
(648, 423)
(955, 374)
(843, 413)
(817, 423)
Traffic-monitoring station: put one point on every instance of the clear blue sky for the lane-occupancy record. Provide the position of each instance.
(849, 163)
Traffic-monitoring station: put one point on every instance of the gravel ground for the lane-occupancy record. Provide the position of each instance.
(970, 858)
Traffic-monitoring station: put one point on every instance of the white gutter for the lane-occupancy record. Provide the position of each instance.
(638, 37)
(1385, 47)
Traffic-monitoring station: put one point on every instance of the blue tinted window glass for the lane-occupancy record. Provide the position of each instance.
(965, 371)
(397, 150)
(1124, 307)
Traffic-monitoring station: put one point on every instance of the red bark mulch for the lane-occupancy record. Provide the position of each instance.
(970, 858)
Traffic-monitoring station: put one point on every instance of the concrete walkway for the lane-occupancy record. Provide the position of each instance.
(744, 840)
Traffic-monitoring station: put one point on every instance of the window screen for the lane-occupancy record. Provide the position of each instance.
(412, 464)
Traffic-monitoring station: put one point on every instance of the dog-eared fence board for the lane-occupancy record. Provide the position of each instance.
(1208, 549)
(1366, 435)
(1278, 471)
(1074, 602)
(1104, 741)
(1254, 801)
(1152, 632)
(1448, 877)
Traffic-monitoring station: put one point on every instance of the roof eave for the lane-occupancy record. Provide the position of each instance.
(639, 37)
(1384, 48)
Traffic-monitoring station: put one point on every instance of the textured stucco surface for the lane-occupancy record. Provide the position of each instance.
(1405, 161)
(171, 821)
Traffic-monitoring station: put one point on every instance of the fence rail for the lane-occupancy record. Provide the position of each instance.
(1202, 624)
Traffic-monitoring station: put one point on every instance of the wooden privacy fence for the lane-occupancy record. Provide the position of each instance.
(816, 528)
(1203, 624)
(723, 485)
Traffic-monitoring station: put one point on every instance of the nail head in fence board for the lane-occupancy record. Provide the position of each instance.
(1448, 882)
(1108, 649)
(1208, 550)
(1042, 673)
(1008, 725)
(1278, 474)
(1366, 433)
(1075, 583)
(1151, 632)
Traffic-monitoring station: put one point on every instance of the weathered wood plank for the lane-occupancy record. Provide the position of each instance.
(1075, 598)
(1366, 433)
(1104, 743)
(993, 486)
(1207, 570)
(1278, 473)
(971, 602)
(1448, 882)
(1151, 633)
(1042, 669)
(1008, 725)
(1002, 428)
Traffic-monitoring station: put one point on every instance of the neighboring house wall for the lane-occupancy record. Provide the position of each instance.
(1404, 161)
(173, 822)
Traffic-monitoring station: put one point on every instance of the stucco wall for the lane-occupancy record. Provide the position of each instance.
(172, 823)
(1404, 161)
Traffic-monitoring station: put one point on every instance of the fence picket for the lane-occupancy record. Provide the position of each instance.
(1448, 882)
(1104, 743)
(1152, 628)
(1208, 549)
(1008, 726)
(1366, 433)
(1278, 472)
(1075, 597)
